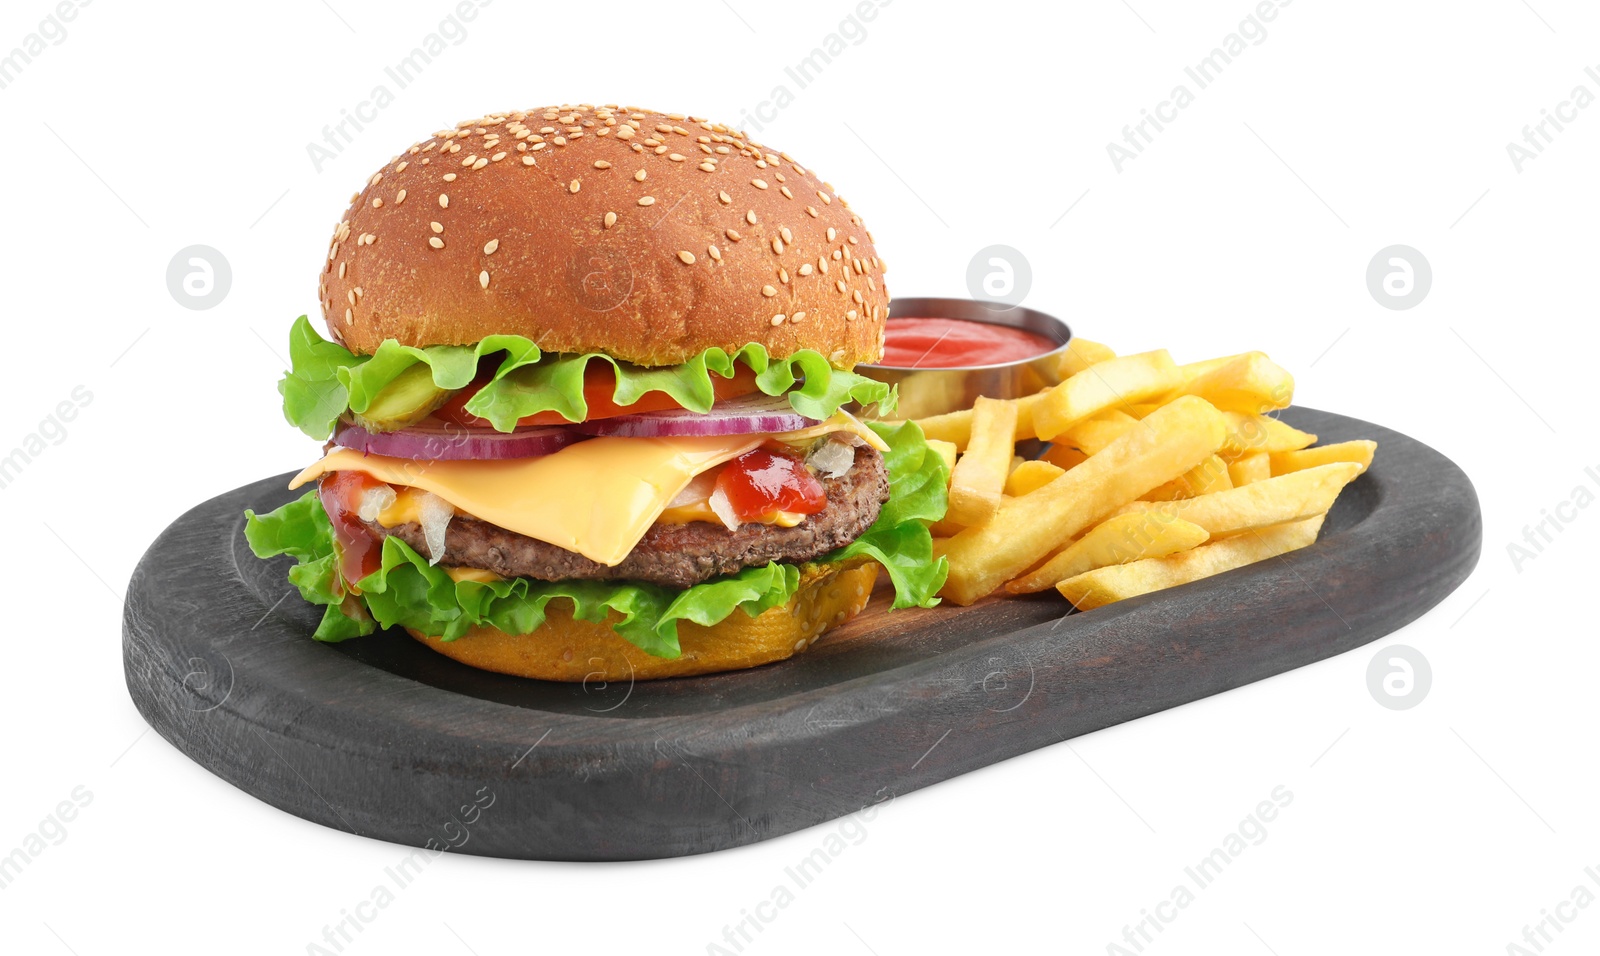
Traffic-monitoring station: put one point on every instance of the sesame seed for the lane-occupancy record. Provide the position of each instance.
(377, 202)
(812, 212)
(611, 219)
(449, 177)
(348, 315)
(529, 161)
(536, 147)
(573, 186)
(436, 242)
(492, 246)
(601, 164)
(714, 252)
(759, 183)
(805, 269)
(853, 241)
(750, 217)
(342, 267)
(832, 233)
(350, 297)
(777, 319)
(856, 295)
(676, 157)
(483, 279)
(783, 276)
(497, 157)
(725, 197)
(826, 199)
(647, 200)
(436, 227)
(768, 291)
(777, 245)
(376, 179)
(733, 235)
(470, 160)
(402, 167)
(786, 234)
(786, 192)
(560, 141)
(850, 316)
(359, 292)
(839, 284)
(687, 257)
(640, 176)
(400, 197)
(709, 167)
(444, 201)
(797, 317)
(624, 132)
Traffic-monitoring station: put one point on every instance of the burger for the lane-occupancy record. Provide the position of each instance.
(586, 395)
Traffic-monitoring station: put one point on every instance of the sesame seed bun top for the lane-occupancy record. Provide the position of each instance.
(647, 236)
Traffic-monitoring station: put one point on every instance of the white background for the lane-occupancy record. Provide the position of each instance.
(1248, 223)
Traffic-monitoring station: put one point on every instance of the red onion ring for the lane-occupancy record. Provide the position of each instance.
(753, 414)
(447, 442)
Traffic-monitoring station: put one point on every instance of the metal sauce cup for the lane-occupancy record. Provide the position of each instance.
(934, 391)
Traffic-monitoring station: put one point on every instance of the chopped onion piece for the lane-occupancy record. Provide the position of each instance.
(375, 501)
(698, 489)
(831, 458)
(435, 514)
(724, 509)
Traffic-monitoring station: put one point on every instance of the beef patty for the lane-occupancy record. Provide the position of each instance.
(673, 555)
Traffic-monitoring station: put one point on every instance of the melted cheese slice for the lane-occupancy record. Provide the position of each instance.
(596, 497)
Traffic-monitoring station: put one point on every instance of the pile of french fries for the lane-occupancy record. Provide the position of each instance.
(1157, 474)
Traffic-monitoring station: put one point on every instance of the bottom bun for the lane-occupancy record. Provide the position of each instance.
(564, 649)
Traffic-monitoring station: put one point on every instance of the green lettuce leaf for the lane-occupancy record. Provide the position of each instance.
(327, 379)
(407, 591)
(899, 539)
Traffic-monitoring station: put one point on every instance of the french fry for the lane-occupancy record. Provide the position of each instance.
(1024, 530)
(945, 450)
(1360, 452)
(1082, 353)
(1111, 384)
(1141, 409)
(1117, 540)
(1208, 477)
(1193, 370)
(1094, 434)
(1249, 434)
(1261, 504)
(956, 427)
(1250, 383)
(1031, 476)
(1064, 457)
(1105, 585)
(1247, 469)
(979, 477)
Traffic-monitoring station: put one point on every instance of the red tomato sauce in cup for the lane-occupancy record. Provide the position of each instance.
(957, 343)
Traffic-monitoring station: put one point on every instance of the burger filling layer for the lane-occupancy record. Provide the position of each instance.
(839, 505)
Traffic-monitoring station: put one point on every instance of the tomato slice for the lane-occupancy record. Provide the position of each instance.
(599, 383)
(765, 480)
(360, 551)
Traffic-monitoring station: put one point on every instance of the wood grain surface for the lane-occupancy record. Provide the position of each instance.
(381, 737)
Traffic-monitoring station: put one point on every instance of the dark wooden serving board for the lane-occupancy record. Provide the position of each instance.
(382, 737)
